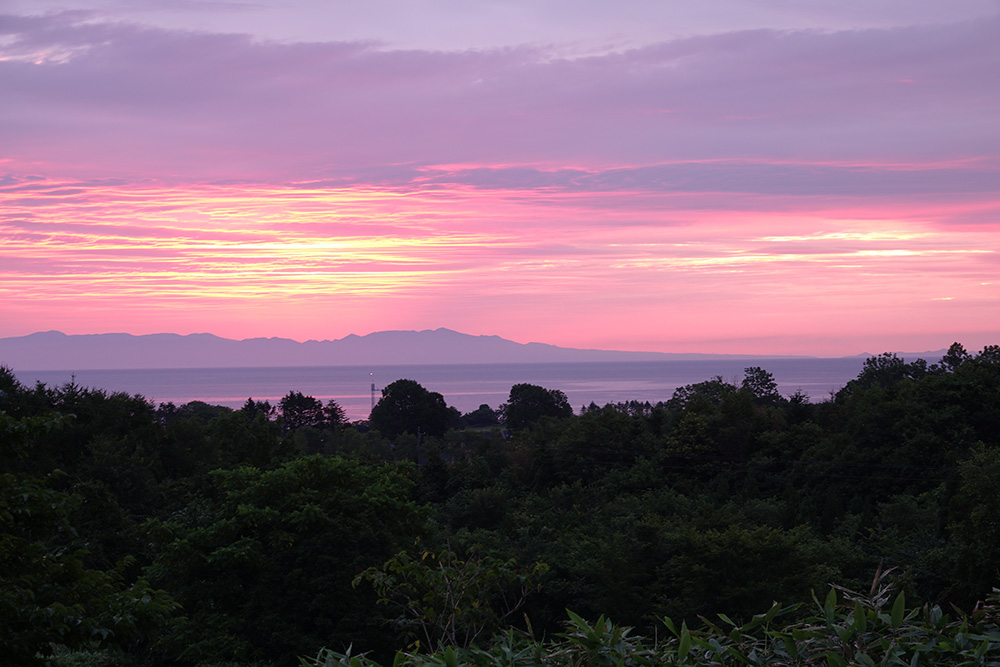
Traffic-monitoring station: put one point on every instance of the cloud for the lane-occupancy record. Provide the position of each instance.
(734, 176)
(576, 26)
(102, 98)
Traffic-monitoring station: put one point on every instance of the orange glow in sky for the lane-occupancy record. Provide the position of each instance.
(245, 261)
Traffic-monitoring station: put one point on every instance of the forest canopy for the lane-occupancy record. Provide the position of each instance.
(155, 534)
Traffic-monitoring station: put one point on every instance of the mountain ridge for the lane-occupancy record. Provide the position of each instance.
(55, 350)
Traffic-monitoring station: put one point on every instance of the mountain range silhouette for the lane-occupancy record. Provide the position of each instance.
(54, 350)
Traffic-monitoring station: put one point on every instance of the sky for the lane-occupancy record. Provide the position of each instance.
(727, 176)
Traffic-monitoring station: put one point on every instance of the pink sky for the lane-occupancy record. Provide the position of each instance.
(723, 176)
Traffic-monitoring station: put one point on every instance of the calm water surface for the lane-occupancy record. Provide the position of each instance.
(464, 386)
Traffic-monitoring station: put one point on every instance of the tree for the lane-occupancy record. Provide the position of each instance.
(48, 595)
(298, 410)
(334, 414)
(444, 600)
(406, 407)
(482, 417)
(528, 403)
(712, 392)
(989, 356)
(955, 357)
(250, 437)
(738, 568)
(11, 392)
(883, 370)
(253, 408)
(264, 569)
(975, 526)
(761, 385)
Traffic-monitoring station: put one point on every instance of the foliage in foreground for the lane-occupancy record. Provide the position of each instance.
(442, 599)
(847, 628)
(47, 592)
(257, 567)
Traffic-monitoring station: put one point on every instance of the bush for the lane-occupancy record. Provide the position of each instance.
(847, 628)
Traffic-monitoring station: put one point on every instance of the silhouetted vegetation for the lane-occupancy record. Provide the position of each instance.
(144, 534)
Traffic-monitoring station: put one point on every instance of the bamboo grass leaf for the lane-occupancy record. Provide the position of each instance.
(860, 617)
(834, 659)
(685, 645)
(898, 610)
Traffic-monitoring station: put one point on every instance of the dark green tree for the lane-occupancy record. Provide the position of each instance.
(406, 407)
(442, 599)
(887, 370)
(528, 403)
(253, 408)
(246, 440)
(264, 570)
(11, 392)
(761, 385)
(298, 410)
(482, 417)
(334, 414)
(955, 357)
(975, 526)
(48, 596)
(709, 392)
(739, 568)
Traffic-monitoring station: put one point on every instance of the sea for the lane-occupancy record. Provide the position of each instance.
(464, 386)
